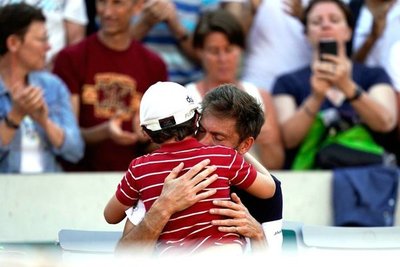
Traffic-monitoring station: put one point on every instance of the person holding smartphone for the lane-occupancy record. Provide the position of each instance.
(332, 82)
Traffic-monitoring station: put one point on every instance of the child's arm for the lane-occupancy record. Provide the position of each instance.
(249, 158)
(114, 212)
(264, 185)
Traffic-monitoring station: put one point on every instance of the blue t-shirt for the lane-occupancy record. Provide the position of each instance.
(297, 84)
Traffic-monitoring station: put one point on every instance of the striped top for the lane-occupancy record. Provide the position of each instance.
(161, 40)
(190, 228)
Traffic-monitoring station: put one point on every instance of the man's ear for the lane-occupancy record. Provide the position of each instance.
(13, 43)
(245, 145)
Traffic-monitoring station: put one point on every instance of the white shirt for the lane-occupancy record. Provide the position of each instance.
(386, 47)
(56, 12)
(276, 44)
(31, 151)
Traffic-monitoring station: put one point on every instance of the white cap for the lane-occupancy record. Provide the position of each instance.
(166, 104)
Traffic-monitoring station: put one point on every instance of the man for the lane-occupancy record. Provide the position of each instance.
(169, 116)
(225, 116)
(107, 73)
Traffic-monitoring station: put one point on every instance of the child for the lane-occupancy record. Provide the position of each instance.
(169, 117)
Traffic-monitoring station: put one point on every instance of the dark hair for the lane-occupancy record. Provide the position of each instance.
(16, 19)
(178, 132)
(222, 21)
(227, 101)
(342, 6)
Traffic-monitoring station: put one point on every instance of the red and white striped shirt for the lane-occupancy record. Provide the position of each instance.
(190, 228)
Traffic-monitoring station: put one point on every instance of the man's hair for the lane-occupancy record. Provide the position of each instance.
(16, 19)
(221, 21)
(178, 132)
(342, 6)
(227, 101)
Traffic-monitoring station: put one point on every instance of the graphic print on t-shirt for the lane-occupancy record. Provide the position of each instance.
(112, 93)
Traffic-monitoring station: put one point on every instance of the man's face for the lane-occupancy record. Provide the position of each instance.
(115, 15)
(218, 131)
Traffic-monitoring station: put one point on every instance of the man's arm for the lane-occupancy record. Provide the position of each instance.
(177, 194)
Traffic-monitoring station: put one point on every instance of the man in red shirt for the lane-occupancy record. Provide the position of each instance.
(107, 73)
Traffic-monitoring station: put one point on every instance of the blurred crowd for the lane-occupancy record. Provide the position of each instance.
(71, 81)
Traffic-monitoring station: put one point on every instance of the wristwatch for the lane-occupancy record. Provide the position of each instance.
(357, 94)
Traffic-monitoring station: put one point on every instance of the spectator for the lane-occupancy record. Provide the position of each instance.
(107, 73)
(224, 114)
(353, 93)
(37, 122)
(172, 125)
(166, 27)
(376, 34)
(65, 21)
(219, 42)
(182, 192)
(276, 45)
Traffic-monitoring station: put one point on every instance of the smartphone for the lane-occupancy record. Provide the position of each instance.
(327, 47)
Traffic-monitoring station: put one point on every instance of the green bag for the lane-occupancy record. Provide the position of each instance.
(356, 142)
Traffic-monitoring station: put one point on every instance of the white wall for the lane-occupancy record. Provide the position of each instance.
(33, 208)
(36, 207)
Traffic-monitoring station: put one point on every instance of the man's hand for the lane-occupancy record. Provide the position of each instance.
(177, 194)
(240, 221)
(182, 192)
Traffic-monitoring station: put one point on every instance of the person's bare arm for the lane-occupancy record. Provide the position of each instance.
(243, 11)
(270, 144)
(294, 8)
(156, 11)
(114, 212)
(183, 37)
(177, 194)
(263, 186)
(75, 32)
(379, 11)
(378, 108)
